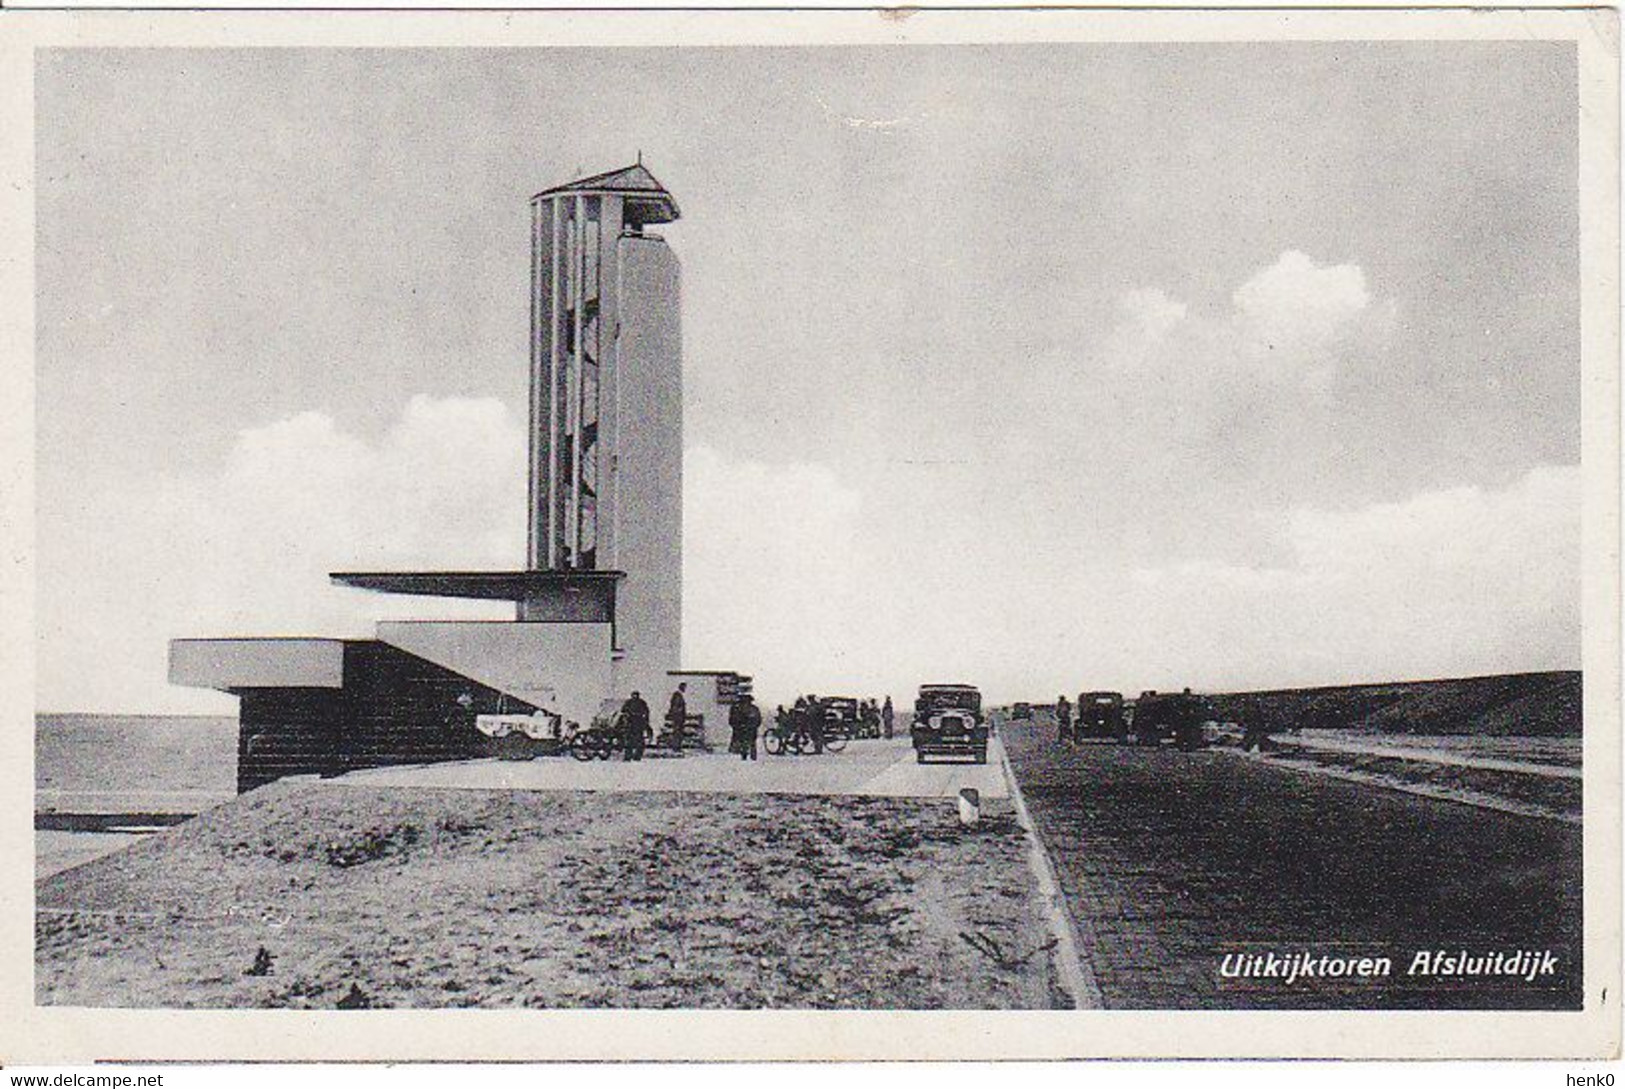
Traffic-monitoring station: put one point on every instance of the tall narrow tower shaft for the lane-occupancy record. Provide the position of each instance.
(588, 250)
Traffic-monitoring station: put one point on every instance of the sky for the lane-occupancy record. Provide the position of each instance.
(1044, 368)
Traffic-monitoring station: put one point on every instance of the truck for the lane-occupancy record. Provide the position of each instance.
(948, 721)
(1176, 717)
(1100, 714)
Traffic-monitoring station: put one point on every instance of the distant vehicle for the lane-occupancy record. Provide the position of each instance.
(1177, 717)
(948, 721)
(1146, 719)
(840, 716)
(524, 736)
(1021, 710)
(1100, 714)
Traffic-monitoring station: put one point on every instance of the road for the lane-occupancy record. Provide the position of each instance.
(1170, 861)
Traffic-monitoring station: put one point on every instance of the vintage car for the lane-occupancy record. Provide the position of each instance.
(1100, 714)
(1164, 716)
(948, 721)
(840, 716)
(1021, 710)
(522, 737)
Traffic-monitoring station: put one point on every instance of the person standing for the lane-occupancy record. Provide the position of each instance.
(677, 716)
(745, 721)
(815, 724)
(888, 717)
(1256, 734)
(634, 725)
(1188, 722)
(1063, 719)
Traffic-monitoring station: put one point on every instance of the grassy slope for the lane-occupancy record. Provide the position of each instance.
(1527, 704)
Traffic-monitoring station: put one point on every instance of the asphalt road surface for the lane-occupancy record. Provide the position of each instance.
(1171, 861)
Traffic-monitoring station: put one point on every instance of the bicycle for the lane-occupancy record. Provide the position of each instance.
(797, 740)
(596, 742)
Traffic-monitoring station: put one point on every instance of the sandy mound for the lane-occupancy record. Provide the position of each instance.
(314, 895)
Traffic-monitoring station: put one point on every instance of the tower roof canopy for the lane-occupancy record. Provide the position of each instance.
(646, 199)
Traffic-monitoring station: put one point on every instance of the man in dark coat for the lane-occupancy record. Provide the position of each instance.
(888, 716)
(744, 720)
(1063, 719)
(634, 724)
(677, 716)
(1256, 733)
(1189, 715)
(815, 723)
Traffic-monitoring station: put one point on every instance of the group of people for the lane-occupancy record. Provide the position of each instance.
(634, 723)
(808, 717)
(879, 720)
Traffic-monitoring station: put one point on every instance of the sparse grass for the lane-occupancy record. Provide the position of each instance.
(378, 897)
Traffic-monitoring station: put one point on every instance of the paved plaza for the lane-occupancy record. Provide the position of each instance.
(879, 768)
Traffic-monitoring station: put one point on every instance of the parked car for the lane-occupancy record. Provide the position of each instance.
(1021, 710)
(1176, 717)
(1100, 714)
(840, 716)
(948, 721)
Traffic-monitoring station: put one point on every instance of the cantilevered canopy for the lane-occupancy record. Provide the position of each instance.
(646, 199)
(488, 585)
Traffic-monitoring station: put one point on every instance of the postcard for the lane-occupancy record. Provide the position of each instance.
(811, 535)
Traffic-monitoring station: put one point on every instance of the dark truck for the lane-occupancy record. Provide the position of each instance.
(1100, 714)
(948, 721)
(1177, 717)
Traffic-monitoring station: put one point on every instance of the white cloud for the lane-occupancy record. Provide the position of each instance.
(1296, 305)
(246, 549)
(1289, 321)
(1456, 581)
(773, 573)
(1152, 312)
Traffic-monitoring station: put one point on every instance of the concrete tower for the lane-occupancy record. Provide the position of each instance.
(598, 604)
(606, 428)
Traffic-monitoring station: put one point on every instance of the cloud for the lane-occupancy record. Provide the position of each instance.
(1448, 582)
(1298, 306)
(245, 548)
(1151, 313)
(1292, 321)
(776, 582)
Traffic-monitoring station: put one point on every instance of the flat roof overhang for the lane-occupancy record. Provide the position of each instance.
(235, 664)
(486, 585)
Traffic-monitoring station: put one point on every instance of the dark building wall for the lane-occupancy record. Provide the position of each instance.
(394, 708)
(287, 731)
(401, 709)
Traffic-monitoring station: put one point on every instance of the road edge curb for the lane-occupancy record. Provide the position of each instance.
(1076, 975)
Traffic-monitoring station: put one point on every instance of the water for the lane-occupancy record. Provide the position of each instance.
(124, 764)
(1558, 751)
(121, 763)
